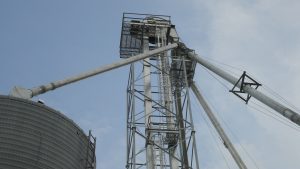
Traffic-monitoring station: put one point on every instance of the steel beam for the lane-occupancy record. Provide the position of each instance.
(283, 110)
(191, 115)
(29, 93)
(218, 127)
(182, 139)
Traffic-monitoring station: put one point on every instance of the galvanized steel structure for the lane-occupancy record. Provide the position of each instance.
(160, 129)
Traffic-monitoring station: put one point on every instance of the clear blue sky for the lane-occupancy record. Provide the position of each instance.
(42, 41)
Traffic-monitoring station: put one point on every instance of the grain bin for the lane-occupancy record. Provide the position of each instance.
(35, 136)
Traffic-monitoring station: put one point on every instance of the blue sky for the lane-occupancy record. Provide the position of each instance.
(42, 41)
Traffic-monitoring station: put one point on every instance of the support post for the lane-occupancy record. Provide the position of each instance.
(190, 113)
(133, 117)
(182, 136)
(218, 127)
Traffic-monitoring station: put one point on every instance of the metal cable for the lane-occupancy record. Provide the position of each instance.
(231, 131)
(212, 133)
(222, 83)
(273, 93)
(276, 95)
(226, 65)
(268, 89)
(222, 63)
(279, 119)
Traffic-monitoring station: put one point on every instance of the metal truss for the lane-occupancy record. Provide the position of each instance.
(160, 131)
(176, 143)
(243, 81)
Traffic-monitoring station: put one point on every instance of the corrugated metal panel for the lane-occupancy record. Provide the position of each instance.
(34, 136)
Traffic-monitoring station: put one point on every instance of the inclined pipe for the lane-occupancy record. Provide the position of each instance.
(29, 93)
(283, 110)
(218, 127)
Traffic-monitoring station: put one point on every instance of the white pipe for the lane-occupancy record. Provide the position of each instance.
(218, 127)
(283, 110)
(29, 93)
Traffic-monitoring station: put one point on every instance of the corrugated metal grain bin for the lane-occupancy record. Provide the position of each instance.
(34, 136)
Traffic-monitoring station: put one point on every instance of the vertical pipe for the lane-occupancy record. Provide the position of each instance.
(161, 162)
(218, 127)
(148, 105)
(167, 95)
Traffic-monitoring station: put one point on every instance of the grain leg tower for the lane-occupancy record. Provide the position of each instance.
(160, 129)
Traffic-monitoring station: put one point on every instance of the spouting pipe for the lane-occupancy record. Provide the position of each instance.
(283, 110)
(228, 144)
(29, 93)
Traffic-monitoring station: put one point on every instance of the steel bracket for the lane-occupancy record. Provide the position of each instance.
(244, 80)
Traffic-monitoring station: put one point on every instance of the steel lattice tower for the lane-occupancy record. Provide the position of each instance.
(160, 129)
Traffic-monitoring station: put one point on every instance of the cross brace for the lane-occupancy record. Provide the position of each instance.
(244, 80)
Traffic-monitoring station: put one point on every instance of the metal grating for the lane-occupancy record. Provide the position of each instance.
(135, 27)
(177, 70)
